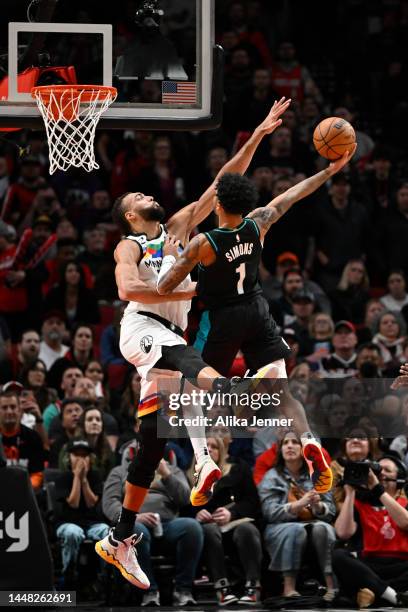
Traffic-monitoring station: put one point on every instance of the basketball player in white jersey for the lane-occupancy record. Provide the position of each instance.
(152, 340)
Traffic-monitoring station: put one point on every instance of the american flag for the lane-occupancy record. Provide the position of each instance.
(179, 92)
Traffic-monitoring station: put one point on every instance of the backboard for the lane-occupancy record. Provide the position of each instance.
(159, 54)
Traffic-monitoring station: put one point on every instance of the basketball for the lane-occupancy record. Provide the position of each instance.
(333, 137)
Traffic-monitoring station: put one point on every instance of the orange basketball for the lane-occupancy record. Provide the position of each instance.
(333, 137)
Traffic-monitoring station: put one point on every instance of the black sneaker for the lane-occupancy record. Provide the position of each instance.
(225, 596)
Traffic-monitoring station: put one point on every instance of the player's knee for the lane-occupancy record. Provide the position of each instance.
(141, 474)
(185, 358)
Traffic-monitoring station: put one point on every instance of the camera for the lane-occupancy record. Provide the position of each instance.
(356, 472)
(149, 13)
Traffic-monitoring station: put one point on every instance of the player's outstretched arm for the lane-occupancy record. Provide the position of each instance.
(174, 268)
(130, 287)
(270, 214)
(192, 215)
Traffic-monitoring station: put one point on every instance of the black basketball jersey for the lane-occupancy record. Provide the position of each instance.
(233, 277)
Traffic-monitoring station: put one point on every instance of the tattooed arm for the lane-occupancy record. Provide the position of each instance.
(270, 214)
(197, 250)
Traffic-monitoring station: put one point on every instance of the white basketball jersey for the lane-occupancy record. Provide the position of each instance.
(149, 268)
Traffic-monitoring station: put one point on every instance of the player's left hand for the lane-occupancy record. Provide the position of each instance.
(337, 165)
(221, 516)
(171, 246)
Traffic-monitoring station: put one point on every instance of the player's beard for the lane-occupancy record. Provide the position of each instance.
(154, 213)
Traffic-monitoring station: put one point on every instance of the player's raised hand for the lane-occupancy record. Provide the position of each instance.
(337, 165)
(171, 246)
(273, 121)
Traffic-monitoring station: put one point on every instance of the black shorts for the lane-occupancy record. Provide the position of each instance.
(245, 326)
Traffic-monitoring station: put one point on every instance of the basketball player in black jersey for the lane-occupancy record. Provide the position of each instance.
(238, 315)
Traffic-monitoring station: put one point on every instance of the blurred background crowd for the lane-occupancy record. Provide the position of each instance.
(334, 272)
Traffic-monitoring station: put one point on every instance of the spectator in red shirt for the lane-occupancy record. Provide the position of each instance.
(132, 158)
(378, 518)
(20, 196)
(13, 298)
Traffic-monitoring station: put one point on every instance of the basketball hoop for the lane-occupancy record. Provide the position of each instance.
(71, 114)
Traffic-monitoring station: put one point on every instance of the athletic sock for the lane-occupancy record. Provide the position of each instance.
(125, 526)
(306, 437)
(390, 595)
(200, 449)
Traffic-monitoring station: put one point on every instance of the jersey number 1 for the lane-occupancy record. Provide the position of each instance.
(240, 284)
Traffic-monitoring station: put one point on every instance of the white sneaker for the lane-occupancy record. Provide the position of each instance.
(123, 556)
(183, 598)
(151, 599)
(206, 474)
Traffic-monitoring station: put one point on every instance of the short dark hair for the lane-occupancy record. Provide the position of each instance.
(118, 214)
(369, 346)
(10, 393)
(68, 401)
(237, 194)
(29, 330)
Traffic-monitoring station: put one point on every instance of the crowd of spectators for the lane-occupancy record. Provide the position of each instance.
(334, 272)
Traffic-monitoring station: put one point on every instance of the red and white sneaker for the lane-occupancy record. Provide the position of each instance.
(123, 556)
(251, 594)
(206, 475)
(319, 470)
(225, 596)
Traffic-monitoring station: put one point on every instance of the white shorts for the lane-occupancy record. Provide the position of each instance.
(141, 341)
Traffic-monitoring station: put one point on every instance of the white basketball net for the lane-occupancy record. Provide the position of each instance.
(71, 117)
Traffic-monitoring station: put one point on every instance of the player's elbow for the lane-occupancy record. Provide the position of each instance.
(123, 294)
(162, 289)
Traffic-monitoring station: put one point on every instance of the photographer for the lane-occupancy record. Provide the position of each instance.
(356, 447)
(375, 516)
